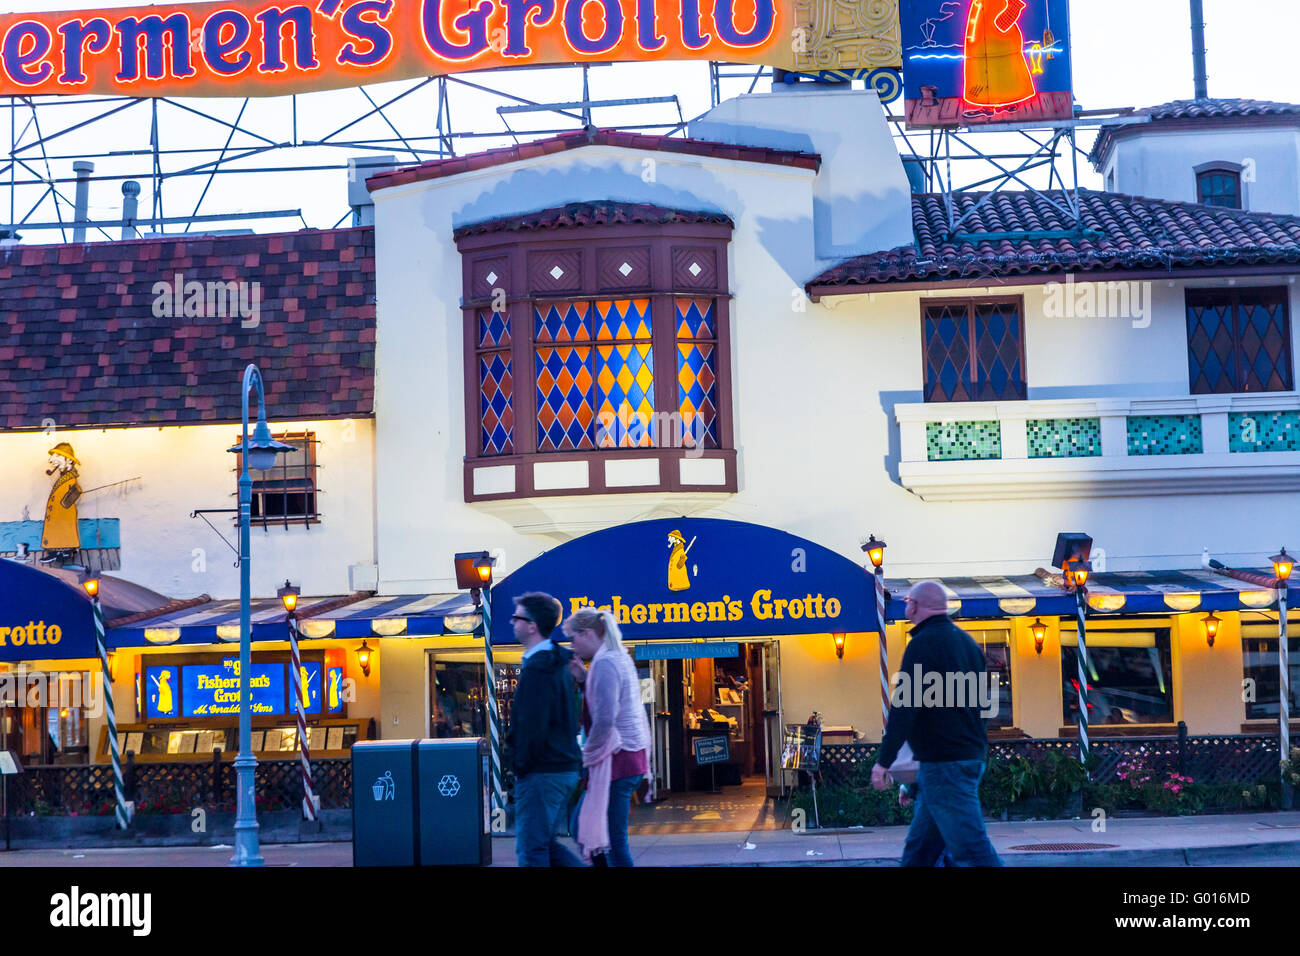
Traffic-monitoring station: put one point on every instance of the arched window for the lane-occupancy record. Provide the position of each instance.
(1219, 184)
(596, 352)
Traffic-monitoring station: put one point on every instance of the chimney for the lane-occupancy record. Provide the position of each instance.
(130, 208)
(1198, 50)
(81, 204)
(361, 168)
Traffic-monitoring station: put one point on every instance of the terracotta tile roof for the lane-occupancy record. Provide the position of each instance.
(577, 214)
(1120, 233)
(1190, 114)
(577, 139)
(80, 343)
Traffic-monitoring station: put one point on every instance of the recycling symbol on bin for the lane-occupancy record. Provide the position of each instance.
(449, 785)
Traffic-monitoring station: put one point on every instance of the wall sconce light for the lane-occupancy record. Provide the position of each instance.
(363, 658)
(1211, 625)
(1039, 630)
(839, 645)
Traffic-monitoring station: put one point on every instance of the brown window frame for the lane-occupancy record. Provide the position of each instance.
(262, 479)
(970, 303)
(514, 258)
(1220, 168)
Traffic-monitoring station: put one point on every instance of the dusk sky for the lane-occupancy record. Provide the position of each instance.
(1126, 53)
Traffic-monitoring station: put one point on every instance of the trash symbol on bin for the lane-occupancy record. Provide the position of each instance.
(385, 787)
(449, 785)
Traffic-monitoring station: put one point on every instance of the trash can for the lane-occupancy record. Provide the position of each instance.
(385, 821)
(421, 803)
(455, 802)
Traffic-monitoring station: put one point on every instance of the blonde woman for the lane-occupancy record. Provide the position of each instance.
(618, 735)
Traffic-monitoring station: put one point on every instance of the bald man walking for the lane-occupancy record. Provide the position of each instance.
(946, 732)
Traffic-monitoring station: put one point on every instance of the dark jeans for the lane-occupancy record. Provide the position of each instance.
(620, 808)
(947, 816)
(540, 802)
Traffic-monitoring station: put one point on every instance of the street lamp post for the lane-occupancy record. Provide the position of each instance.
(1283, 564)
(258, 453)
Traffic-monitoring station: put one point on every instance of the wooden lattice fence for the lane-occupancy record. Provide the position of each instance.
(175, 787)
(1222, 758)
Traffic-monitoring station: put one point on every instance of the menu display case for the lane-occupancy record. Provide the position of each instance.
(187, 708)
(155, 742)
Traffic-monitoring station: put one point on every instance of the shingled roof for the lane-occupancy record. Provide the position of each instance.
(1197, 114)
(80, 342)
(1117, 234)
(439, 168)
(578, 214)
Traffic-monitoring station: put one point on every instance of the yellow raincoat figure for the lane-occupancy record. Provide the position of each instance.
(165, 693)
(60, 532)
(997, 73)
(306, 691)
(679, 579)
(334, 688)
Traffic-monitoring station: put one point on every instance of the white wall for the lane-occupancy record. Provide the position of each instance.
(186, 468)
(419, 398)
(813, 392)
(1162, 165)
(863, 201)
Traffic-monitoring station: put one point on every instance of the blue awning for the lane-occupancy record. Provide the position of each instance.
(1125, 592)
(41, 617)
(218, 622)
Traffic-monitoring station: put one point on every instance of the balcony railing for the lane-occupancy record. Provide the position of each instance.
(1196, 444)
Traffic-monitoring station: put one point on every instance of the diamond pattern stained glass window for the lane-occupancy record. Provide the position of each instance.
(1238, 340)
(562, 372)
(495, 384)
(974, 351)
(624, 372)
(697, 395)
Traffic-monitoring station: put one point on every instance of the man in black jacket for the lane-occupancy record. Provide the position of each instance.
(543, 738)
(936, 708)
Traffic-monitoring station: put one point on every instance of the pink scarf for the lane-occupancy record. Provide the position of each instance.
(602, 691)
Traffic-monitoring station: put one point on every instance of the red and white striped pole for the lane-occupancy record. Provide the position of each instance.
(876, 552)
(884, 649)
(300, 698)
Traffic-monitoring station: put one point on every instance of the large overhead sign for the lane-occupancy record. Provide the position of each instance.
(976, 62)
(274, 47)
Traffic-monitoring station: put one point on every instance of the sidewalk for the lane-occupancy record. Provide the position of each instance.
(1272, 838)
(1162, 841)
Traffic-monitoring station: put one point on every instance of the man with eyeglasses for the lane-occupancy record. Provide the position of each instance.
(947, 736)
(543, 737)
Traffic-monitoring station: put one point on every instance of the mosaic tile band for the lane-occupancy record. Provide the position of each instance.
(963, 441)
(1063, 437)
(1165, 435)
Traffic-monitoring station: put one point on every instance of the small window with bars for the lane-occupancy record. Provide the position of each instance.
(286, 493)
